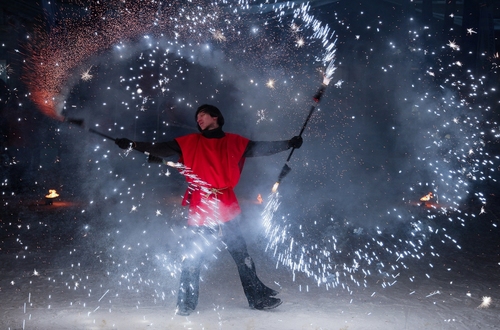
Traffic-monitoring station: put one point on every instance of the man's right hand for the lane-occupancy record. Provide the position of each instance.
(124, 143)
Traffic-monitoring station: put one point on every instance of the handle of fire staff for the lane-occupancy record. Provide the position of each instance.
(91, 130)
(151, 158)
(286, 169)
(80, 123)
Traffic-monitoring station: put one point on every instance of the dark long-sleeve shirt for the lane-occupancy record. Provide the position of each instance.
(253, 149)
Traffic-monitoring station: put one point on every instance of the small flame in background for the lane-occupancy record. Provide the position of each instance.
(52, 194)
(259, 199)
(427, 197)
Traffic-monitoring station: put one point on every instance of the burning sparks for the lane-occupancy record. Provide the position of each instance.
(427, 197)
(453, 45)
(433, 293)
(294, 27)
(470, 31)
(52, 194)
(486, 302)
(259, 199)
(327, 262)
(261, 114)
(7, 69)
(54, 55)
(218, 35)
(339, 83)
(86, 76)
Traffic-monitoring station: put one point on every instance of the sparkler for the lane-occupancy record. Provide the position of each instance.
(151, 158)
(485, 303)
(52, 194)
(316, 98)
(85, 75)
(327, 262)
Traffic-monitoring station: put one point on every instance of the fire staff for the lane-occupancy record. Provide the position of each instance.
(216, 158)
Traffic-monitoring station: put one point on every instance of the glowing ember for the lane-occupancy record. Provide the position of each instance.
(85, 75)
(486, 302)
(52, 194)
(219, 36)
(259, 199)
(427, 197)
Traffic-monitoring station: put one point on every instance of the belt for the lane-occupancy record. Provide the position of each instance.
(213, 191)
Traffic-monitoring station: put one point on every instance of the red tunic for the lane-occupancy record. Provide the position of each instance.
(217, 162)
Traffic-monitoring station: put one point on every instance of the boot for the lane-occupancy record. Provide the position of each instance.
(267, 303)
(259, 296)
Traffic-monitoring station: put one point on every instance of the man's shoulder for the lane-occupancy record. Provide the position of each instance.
(235, 136)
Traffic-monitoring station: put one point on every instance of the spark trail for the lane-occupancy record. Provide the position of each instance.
(447, 124)
(56, 54)
(452, 110)
(246, 42)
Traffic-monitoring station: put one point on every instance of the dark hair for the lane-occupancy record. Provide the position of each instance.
(213, 111)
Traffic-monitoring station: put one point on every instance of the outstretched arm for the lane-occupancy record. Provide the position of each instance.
(160, 149)
(267, 148)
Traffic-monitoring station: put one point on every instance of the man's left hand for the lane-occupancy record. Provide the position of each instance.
(295, 142)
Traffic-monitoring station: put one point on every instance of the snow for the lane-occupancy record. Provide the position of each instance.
(47, 285)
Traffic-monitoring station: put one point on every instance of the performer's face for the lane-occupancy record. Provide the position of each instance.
(206, 122)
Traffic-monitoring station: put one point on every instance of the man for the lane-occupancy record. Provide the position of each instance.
(215, 160)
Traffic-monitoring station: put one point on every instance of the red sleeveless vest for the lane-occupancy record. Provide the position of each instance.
(218, 163)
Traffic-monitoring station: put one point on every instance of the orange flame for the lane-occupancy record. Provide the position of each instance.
(427, 197)
(259, 199)
(52, 194)
(45, 103)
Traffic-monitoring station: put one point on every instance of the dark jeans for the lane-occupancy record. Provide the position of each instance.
(202, 240)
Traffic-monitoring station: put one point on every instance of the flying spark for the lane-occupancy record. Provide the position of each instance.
(486, 302)
(167, 61)
(218, 35)
(86, 76)
(453, 45)
(470, 31)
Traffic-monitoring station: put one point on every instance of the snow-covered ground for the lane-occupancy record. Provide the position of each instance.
(57, 282)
